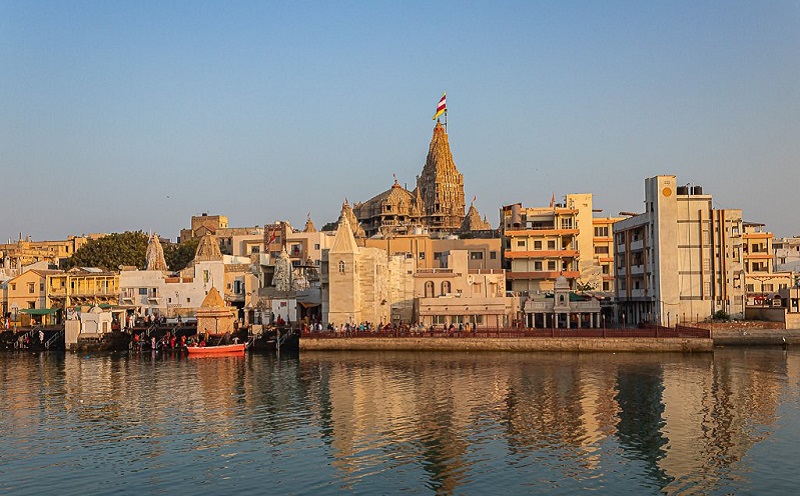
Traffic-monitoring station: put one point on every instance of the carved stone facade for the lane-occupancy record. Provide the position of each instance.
(155, 254)
(441, 186)
(436, 203)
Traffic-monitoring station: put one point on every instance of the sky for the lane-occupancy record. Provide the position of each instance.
(119, 116)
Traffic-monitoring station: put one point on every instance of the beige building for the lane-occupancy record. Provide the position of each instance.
(81, 286)
(679, 261)
(427, 252)
(26, 298)
(763, 282)
(16, 256)
(542, 243)
(458, 295)
(362, 284)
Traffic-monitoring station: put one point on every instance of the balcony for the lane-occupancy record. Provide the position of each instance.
(637, 270)
(543, 254)
(637, 245)
(569, 274)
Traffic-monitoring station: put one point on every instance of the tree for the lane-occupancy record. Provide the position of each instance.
(109, 252)
(180, 255)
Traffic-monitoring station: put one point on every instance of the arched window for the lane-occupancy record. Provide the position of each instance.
(341, 266)
(429, 289)
(445, 287)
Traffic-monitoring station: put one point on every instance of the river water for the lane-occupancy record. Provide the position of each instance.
(412, 423)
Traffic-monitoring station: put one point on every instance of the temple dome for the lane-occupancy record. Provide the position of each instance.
(562, 284)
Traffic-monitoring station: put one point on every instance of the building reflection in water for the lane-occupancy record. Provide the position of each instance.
(677, 423)
(680, 421)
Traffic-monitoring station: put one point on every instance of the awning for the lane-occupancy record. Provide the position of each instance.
(309, 305)
(39, 311)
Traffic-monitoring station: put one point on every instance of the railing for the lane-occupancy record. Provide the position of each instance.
(58, 335)
(647, 331)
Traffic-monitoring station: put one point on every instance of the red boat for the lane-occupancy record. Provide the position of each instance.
(225, 349)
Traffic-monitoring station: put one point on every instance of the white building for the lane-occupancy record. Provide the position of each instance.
(679, 261)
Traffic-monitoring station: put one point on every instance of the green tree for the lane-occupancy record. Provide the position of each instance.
(109, 252)
(180, 255)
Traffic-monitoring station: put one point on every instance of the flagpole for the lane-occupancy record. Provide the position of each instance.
(445, 120)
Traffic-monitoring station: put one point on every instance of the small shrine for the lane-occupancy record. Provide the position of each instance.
(213, 316)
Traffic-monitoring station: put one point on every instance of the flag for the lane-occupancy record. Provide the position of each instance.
(474, 198)
(442, 107)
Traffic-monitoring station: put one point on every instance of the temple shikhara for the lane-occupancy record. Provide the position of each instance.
(436, 204)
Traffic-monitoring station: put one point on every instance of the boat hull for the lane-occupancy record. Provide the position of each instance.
(216, 350)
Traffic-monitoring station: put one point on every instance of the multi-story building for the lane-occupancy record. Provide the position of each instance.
(26, 298)
(81, 286)
(565, 239)
(787, 254)
(681, 260)
(455, 294)
(16, 256)
(373, 284)
(763, 282)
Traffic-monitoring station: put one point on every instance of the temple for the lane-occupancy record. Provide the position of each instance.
(436, 204)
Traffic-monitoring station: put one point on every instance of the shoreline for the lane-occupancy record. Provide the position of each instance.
(643, 345)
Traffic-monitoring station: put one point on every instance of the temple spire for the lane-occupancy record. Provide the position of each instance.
(155, 254)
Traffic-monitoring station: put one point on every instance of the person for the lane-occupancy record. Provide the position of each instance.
(41, 337)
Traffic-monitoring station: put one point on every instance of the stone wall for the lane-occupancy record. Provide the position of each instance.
(509, 344)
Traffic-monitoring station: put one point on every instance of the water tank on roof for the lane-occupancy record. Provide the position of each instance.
(698, 190)
(683, 190)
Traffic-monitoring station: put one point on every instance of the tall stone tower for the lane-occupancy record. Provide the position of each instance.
(441, 186)
(155, 254)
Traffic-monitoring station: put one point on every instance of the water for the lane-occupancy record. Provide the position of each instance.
(412, 423)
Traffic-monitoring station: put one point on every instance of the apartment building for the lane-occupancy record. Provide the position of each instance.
(542, 243)
(679, 261)
(763, 282)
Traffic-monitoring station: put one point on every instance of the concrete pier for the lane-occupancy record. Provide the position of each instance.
(682, 345)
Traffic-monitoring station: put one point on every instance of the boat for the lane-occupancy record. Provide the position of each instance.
(224, 349)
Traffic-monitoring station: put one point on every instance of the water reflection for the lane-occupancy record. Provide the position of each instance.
(395, 422)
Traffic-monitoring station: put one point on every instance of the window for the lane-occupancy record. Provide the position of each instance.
(445, 287)
(422, 255)
(188, 300)
(255, 249)
(566, 223)
(750, 288)
(604, 269)
(341, 266)
(437, 255)
(429, 289)
(143, 291)
(316, 246)
(476, 255)
(521, 243)
(537, 266)
(606, 286)
(492, 255)
(41, 286)
(30, 287)
(767, 287)
(551, 265)
(601, 232)
(537, 245)
(13, 286)
(601, 250)
(551, 245)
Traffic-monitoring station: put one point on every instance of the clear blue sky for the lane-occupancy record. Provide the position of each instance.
(137, 115)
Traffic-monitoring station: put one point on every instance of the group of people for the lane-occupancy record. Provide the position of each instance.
(348, 329)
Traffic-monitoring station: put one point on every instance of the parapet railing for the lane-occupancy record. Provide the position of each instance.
(516, 332)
